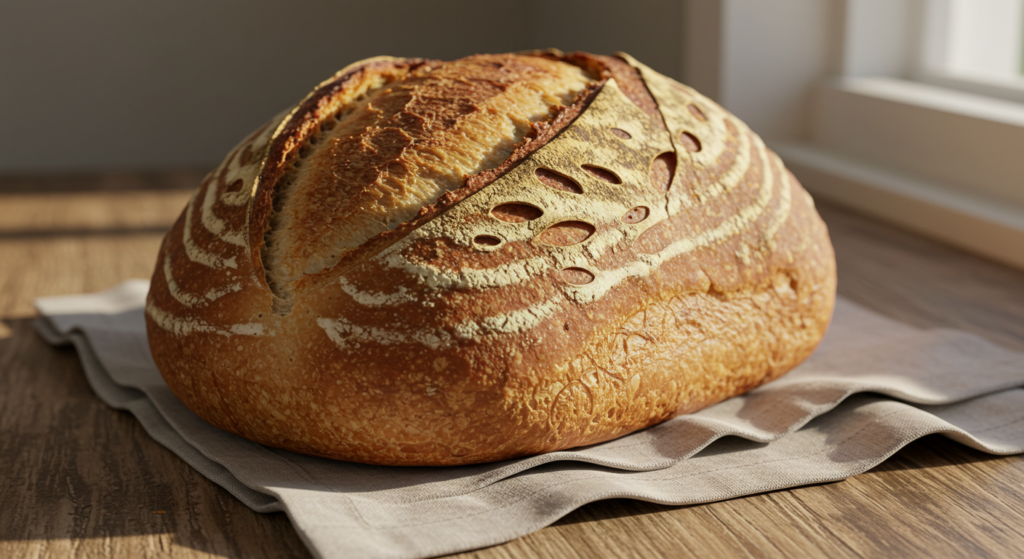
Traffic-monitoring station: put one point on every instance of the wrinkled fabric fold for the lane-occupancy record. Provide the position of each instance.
(873, 386)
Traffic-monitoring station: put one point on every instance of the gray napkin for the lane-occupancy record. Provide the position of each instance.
(873, 386)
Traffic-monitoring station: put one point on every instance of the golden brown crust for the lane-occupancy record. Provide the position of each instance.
(488, 327)
(401, 144)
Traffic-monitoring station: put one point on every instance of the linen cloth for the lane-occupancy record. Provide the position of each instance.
(872, 386)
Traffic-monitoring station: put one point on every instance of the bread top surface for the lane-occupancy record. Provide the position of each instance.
(639, 254)
(407, 137)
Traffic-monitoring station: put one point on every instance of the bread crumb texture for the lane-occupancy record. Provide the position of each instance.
(436, 263)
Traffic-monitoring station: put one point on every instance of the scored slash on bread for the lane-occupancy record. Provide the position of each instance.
(639, 254)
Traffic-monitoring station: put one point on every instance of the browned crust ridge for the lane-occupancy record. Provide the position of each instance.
(459, 337)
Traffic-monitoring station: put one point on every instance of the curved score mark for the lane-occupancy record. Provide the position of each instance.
(577, 276)
(557, 181)
(566, 233)
(486, 240)
(516, 212)
(663, 169)
(636, 215)
(602, 173)
(690, 142)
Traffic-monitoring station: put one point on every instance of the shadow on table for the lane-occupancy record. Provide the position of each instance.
(75, 469)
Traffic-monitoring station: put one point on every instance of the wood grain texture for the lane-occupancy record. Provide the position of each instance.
(82, 480)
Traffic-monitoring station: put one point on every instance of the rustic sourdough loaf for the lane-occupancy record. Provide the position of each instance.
(431, 263)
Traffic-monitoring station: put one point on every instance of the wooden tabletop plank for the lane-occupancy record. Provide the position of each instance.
(83, 479)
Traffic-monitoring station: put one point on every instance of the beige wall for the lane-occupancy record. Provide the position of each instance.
(119, 84)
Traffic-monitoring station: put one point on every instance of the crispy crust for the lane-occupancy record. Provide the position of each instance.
(431, 345)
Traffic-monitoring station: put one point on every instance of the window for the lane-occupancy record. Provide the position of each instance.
(975, 46)
(910, 110)
(975, 38)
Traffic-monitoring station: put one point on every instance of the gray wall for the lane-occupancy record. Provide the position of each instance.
(119, 84)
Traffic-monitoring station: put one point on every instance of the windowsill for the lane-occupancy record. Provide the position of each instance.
(936, 97)
(967, 141)
(939, 161)
(1005, 88)
(968, 220)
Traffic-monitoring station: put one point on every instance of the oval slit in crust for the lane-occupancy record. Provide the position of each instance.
(516, 212)
(636, 215)
(558, 181)
(663, 168)
(690, 142)
(602, 173)
(621, 133)
(577, 276)
(567, 233)
(697, 113)
(487, 240)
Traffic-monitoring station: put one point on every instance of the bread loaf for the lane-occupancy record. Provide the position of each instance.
(437, 263)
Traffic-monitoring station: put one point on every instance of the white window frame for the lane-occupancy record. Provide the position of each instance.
(842, 91)
(951, 51)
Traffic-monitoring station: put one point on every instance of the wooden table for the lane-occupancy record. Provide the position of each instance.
(80, 479)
